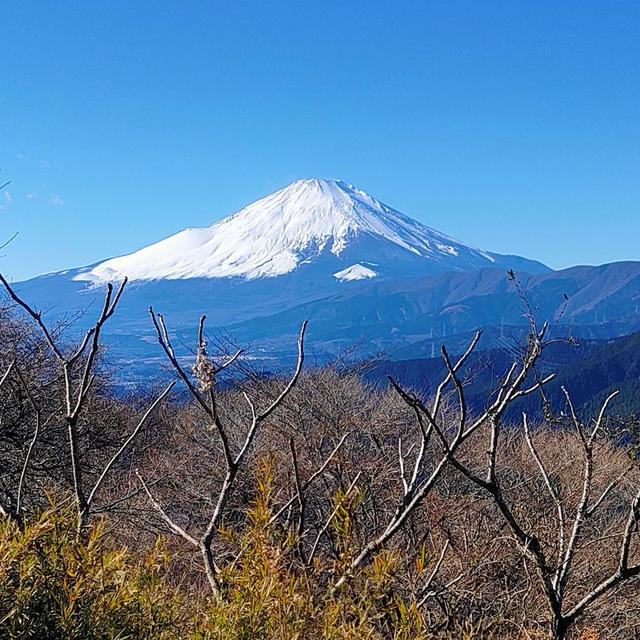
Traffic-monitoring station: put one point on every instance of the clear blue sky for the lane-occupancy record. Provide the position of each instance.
(511, 125)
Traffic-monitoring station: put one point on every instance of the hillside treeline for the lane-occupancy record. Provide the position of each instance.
(307, 506)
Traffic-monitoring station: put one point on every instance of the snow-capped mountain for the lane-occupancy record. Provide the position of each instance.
(358, 270)
(328, 222)
(323, 250)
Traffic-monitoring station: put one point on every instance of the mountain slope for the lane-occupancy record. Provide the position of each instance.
(327, 222)
(411, 315)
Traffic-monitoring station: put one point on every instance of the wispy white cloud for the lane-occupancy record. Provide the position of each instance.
(45, 164)
(7, 197)
(57, 200)
(31, 196)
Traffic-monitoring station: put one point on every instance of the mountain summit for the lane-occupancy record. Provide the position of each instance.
(329, 224)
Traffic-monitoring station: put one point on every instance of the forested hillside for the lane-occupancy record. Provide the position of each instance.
(589, 369)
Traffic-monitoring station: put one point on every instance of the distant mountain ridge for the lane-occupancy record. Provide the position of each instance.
(602, 301)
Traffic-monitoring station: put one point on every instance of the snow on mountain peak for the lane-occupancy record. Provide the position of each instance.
(355, 272)
(275, 234)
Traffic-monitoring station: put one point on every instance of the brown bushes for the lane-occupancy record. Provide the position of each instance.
(483, 576)
(317, 507)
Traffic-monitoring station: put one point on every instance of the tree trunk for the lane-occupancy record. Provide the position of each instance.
(210, 569)
(559, 628)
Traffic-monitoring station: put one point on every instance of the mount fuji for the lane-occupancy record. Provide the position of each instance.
(357, 269)
(350, 233)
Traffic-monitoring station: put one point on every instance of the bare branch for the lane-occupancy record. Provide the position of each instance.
(572, 411)
(332, 515)
(127, 442)
(32, 443)
(252, 407)
(425, 435)
(535, 387)
(5, 375)
(11, 239)
(299, 492)
(222, 434)
(229, 362)
(163, 340)
(631, 526)
(550, 488)
(582, 512)
(463, 358)
(603, 409)
(401, 465)
(458, 385)
(420, 596)
(607, 490)
(233, 464)
(172, 525)
(623, 572)
(36, 315)
(294, 378)
(311, 478)
(433, 592)
(283, 394)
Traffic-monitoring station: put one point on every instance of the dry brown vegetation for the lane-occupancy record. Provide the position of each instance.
(311, 506)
